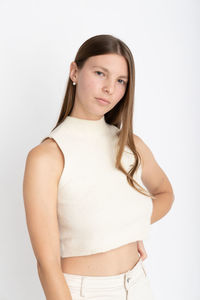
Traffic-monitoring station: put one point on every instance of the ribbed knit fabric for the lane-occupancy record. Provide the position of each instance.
(97, 209)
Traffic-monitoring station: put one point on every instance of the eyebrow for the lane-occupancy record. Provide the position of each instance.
(106, 70)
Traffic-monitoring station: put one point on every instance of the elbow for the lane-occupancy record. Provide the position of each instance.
(48, 265)
(171, 199)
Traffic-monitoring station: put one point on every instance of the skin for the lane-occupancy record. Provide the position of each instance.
(44, 167)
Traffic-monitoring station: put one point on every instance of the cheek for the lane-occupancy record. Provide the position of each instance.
(120, 93)
(89, 85)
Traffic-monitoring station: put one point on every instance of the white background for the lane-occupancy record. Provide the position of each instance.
(39, 39)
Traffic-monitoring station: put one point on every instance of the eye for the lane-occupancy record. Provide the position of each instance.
(124, 82)
(98, 72)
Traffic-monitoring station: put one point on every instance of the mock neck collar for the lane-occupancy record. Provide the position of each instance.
(85, 126)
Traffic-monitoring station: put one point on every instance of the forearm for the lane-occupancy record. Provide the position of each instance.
(161, 205)
(54, 283)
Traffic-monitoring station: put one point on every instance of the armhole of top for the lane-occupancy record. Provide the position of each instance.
(140, 168)
(61, 148)
(140, 173)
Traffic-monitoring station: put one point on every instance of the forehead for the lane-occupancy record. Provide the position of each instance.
(114, 63)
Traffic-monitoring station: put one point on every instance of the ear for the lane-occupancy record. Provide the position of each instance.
(73, 71)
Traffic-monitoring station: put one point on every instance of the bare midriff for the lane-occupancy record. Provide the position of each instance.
(113, 262)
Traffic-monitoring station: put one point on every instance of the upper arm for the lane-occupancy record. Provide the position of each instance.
(42, 172)
(153, 177)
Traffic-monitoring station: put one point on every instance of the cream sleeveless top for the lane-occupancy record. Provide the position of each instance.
(97, 209)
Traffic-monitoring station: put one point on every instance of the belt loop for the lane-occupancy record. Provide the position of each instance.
(145, 273)
(126, 279)
(82, 289)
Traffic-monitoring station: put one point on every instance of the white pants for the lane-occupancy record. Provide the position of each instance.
(131, 285)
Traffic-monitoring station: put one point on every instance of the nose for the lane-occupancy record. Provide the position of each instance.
(108, 87)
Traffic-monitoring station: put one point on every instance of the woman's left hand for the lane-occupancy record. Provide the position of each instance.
(141, 250)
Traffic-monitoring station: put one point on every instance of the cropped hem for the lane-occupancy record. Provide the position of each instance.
(109, 245)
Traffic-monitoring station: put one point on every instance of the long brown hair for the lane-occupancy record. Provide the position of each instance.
(121, 114)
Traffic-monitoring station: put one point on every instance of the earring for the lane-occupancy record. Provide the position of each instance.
(74, 83)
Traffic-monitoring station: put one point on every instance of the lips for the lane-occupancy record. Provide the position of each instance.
(103, 100)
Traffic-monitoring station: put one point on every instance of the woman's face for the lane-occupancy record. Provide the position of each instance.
(93, 82)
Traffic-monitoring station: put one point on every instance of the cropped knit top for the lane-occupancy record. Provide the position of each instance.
(97, 208)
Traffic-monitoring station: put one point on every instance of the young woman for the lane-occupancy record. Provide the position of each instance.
(87, 208)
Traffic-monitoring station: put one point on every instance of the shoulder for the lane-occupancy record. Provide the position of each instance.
(45, 159)
(153, 176)
(143, 149)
